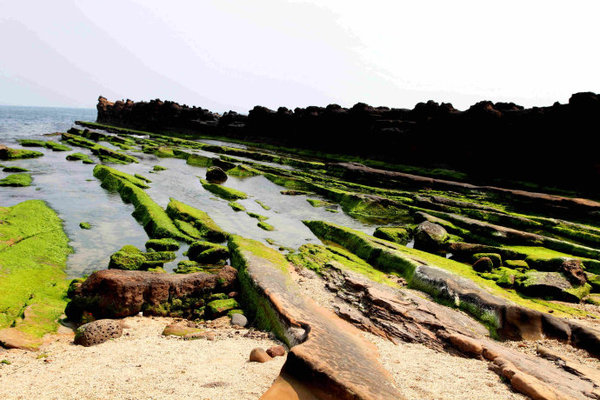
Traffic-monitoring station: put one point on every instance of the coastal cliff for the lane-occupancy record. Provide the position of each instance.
(546, 145)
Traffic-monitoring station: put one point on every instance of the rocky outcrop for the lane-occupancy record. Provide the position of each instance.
(398, 314)
(118, 293)
(419, 136)
(328, 358)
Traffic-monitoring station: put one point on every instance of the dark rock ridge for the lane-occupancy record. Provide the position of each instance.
(548, 145)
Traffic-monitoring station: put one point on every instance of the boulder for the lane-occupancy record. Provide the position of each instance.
(97, 332)
(259, 355)
(552, 285)
(573, 271)
(430, 236)
(216, 175)
(115, 293)
(208, 253)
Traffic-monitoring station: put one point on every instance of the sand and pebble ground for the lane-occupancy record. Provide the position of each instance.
(142, 364)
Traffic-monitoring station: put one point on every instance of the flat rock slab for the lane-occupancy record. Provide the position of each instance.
(328, 357)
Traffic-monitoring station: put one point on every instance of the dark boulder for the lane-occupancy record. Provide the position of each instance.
(216, 175)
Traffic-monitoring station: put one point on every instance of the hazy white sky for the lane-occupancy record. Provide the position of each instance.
(227, 54)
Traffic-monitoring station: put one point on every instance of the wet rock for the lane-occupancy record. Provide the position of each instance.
(218, 308)
(484, 264)
(216, 175)
(276, 351)
(97, 332)
(430, 236)
(259, 355)
(239, 320)
(208, 253)
(181, 329)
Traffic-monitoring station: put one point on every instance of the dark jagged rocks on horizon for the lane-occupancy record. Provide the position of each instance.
(545, 145)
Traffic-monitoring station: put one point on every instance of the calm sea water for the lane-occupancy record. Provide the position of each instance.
(72, 191)
(25, 122)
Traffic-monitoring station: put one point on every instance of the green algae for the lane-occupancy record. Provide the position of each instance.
(158, 168)
(223, 191)
(263, 225)
(263, 205)
(16, 180)
(221, 307)
(199, 220)
(133, 259)
(33, 255)
(396, 234)
(391, 257)
(257, 216)
(208, 253)
(104, 153)
(235, 206)
(257, 306)
(150, 215)
(142, 178)
(242, 171)
(85, 225)
(162, 244)
(80, 157)
(54, 146)
(18, 154)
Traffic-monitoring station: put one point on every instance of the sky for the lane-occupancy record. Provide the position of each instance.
(234, 54)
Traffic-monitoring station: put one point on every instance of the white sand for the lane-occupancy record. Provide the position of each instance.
(142, 364)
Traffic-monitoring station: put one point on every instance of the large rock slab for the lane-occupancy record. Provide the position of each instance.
(117, 293)
(328, 357)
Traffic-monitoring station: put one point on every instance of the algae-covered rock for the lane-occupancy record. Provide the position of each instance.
(198, 219)
(257, 216)
(188, 267)
(223, 191)
(209, 253)
(242, 171)
(215, 175)
(158, 168)
(79, 157)
(7, 153)
(16, 180)
(430, 236)
(552, 285)
(198, 160)
(162, 244)
(263, 225)
(514, 264)
(54, 146)
(85, 225)
(495, 258)
(132, 259)
(217, 308)
(235, 206)
(396, 234)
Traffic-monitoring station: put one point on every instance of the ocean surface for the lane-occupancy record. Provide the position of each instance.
(70, 188)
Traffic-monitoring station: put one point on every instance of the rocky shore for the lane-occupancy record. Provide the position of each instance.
(493, 291)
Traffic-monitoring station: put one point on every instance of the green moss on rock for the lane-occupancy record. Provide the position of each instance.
(16, 180)
(263, 225)
(7, 153)
(396, 234)
(235, 206)
(223, 191)
(218, 308)
(198, 219)
(15, 169)
(242, 171)
(80, 157)
(162, 244)
(85, 225)
(208, 253)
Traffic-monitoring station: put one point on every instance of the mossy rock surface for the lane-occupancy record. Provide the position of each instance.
(495, 258)
(235, 206)
(218, 308)
(242, 171)
(79, 157)
(208, 253)
(198, 219)
(514, 264)
(7, 153)
(396, 234)
(17, 180)
(158, 168)
(33, 282)
(264, 226)
(552, 285)
(197, 160)
(85, 225)
(162, 244)
(257, 216)
(223, 191)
